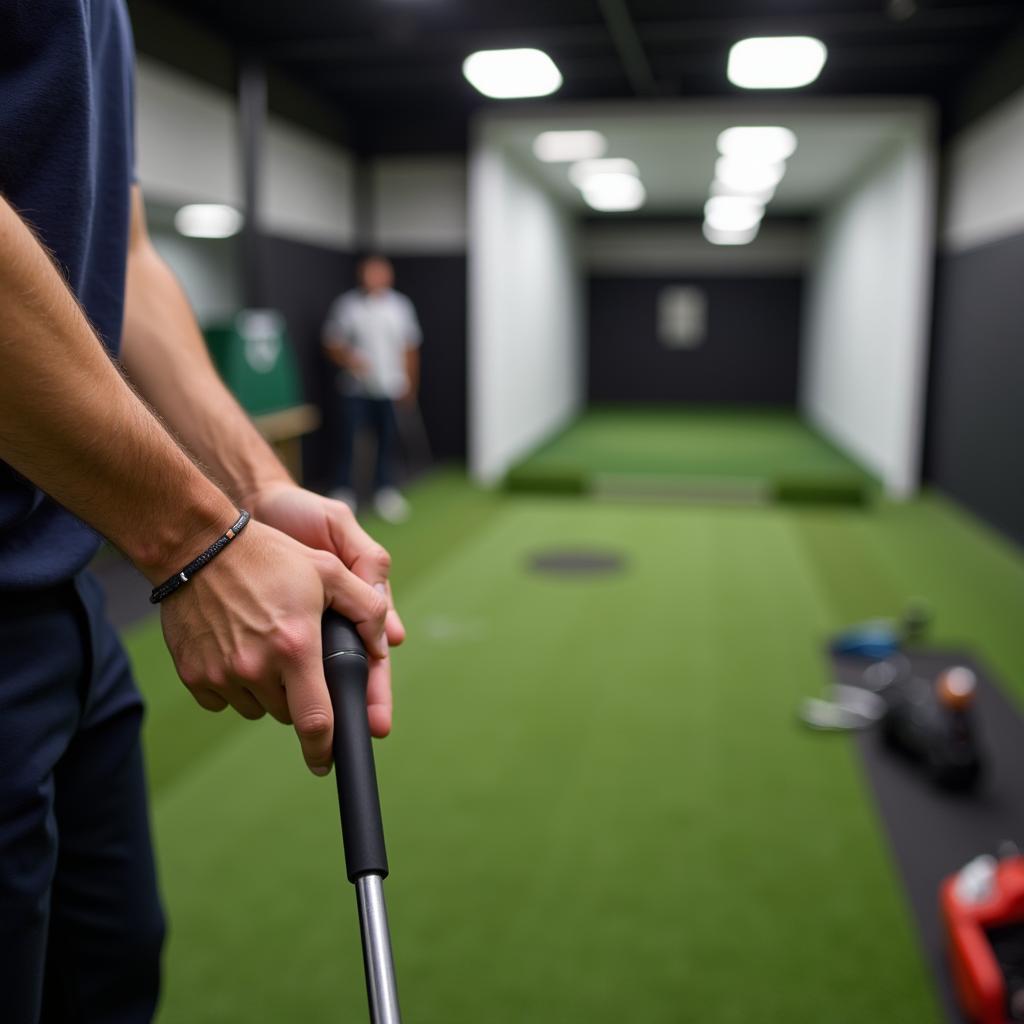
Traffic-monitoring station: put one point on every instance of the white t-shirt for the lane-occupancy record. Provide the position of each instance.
(381, 327)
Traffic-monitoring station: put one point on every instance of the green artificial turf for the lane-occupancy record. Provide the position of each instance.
(599, 806)
(769, 448)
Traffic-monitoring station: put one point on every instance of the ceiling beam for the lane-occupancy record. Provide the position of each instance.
(966, 17)
(370, 48)
(630, 49)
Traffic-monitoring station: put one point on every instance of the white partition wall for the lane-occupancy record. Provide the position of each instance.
(867, 317)
(525, 312)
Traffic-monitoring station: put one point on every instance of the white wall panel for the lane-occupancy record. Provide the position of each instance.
(525, 315)
(307, 187)
(868, 316)
(985, 198)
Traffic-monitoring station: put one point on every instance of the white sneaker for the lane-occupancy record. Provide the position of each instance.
(345, 494)
(391, 506)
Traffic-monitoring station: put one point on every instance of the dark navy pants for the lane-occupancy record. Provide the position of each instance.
(81, 925)
(378, 416)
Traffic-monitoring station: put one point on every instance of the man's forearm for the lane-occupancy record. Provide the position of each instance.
(166, 358)
(71, 424)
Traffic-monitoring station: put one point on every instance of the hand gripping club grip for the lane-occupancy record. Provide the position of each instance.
(345, 668)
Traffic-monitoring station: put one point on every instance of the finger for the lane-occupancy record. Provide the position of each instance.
(365, 606)
(242, 701)
(206, 698)
(369, 560)
(310, 708)
(379, 704)
(271, 697)
(394, 626)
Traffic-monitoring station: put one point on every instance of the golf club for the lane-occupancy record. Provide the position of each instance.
(366, 862)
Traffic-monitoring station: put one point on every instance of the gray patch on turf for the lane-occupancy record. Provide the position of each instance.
(934, 833)
(577, 562)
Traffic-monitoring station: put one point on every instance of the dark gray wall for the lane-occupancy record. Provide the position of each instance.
(976, 438)
(437, 286)
(301, 280)
(750, 354)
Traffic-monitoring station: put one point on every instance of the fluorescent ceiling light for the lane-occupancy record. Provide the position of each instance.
(767, 144)
(746, 177)
(716, 236)
(764, 197)
(583, 170)
(614, 192)
(776, 62)
(512, 74)
(562, 147)
(208, 220)
(733, 213)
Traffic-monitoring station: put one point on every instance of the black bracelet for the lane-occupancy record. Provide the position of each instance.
(179, 579)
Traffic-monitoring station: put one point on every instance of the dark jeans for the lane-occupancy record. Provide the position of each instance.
(81, 925)
(376, 415)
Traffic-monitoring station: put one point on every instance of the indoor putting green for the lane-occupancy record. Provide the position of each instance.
(761, 453)
(599, 807)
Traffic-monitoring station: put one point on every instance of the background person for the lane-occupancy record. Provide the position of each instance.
(373, 334)
(81, 454)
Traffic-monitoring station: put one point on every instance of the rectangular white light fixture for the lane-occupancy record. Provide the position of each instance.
(566, 146)
(512, 74)
(733, 213)
(583, 170)
(614, 192)
(208, 220)
(747, 177)
(717, 236)
(776, 62)
(769, 144)
(763, 197)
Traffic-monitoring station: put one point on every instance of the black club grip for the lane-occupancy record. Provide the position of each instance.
(345, 668)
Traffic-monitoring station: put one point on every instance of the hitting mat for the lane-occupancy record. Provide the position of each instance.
(934, 833)
(694, 455)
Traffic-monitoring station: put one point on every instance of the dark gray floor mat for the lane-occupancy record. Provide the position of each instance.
(933, 833)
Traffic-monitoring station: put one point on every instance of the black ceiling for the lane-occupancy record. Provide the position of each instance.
(393, 67)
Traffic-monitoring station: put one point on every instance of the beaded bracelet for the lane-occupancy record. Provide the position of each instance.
(179, 579)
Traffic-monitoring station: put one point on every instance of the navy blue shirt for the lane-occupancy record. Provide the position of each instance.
(66, 165)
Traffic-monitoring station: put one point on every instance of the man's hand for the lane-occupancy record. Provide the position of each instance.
(348, 358)
(246, 632)
(328, 525)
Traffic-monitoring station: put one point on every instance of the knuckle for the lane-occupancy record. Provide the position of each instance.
(382, 557)
(312, 725)
(246, 665)
(216, 677)
(290, 641)
(377, 606)
(190, 675)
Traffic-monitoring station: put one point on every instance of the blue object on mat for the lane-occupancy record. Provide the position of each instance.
(877, 640)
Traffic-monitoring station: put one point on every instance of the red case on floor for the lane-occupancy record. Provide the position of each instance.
(979, 981)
